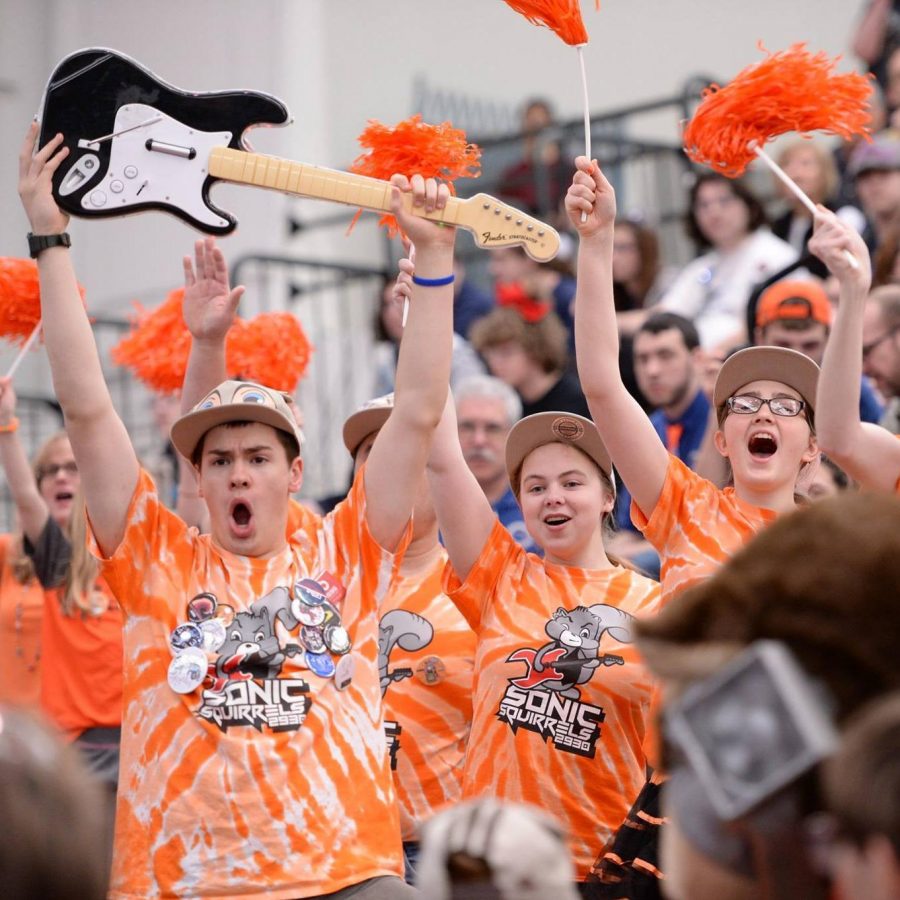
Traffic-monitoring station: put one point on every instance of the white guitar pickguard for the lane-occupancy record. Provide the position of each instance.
(139, 175)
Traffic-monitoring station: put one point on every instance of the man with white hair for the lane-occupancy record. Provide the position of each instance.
(486, 409)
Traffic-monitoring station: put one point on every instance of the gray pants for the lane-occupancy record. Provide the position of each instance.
(387, 887)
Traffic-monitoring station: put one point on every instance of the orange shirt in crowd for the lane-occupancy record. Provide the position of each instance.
(81, 685)
(426, 653)
(560, 694)
(21, 612)
(267, 782)
(696, 527)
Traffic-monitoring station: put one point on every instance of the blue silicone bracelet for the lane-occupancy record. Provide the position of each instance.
(434, 282)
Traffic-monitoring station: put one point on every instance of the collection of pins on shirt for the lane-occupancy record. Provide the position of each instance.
(314, 604)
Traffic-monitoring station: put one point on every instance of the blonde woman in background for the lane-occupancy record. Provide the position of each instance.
(74, 623)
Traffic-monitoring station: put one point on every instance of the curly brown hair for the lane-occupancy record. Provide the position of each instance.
(545, 341)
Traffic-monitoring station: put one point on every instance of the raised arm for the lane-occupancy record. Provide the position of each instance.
(867, 452)
(30, 506)
(397, 461)
(209, 307)
(106, 460)
(635, 448)
(464, 514)
(868, 41)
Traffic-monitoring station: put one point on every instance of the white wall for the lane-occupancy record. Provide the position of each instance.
(337, 63)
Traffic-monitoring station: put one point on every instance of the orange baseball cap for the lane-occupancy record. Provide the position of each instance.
(794, 300)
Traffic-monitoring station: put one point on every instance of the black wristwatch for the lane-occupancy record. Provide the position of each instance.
(39, 242)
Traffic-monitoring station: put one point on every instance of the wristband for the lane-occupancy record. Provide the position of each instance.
(11, 426)
(434, 282)
(37, 243)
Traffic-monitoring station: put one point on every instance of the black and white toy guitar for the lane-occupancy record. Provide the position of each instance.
(136, 144)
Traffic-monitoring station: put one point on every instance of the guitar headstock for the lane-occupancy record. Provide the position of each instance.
(497, 224)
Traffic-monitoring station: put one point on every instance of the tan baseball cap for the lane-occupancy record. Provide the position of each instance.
(370, 417)
(554, 428)
(767, 364)
(233, 401)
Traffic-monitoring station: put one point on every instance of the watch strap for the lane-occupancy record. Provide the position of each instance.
(40, 242)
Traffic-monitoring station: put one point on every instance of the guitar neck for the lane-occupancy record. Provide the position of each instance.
(492, 222)
(317, 182)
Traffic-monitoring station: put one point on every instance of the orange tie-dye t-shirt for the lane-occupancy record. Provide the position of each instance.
(266, 781)
(696, 527)
(426, 655)
(560, 696)
(21, 613)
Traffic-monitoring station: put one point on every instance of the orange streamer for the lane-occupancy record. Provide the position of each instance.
(413, 146)
(270, 348)
(20, 298)
(792, 90)
(561, 16)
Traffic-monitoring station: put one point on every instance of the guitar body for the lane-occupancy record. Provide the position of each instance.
(95, 93)
(138, 144)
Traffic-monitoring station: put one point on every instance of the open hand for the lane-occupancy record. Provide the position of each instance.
(209, 304)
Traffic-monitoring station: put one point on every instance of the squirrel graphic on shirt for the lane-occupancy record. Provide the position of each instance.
(252, 647)
(404, 629)
(571, 656)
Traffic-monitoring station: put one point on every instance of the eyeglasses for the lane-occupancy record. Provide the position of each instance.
(868, 348)
(51, 471)
(747, 404)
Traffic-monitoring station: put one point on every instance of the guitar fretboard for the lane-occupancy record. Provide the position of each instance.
(312, 181)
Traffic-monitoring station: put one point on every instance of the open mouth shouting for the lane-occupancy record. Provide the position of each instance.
(762, 445)
(240, 518)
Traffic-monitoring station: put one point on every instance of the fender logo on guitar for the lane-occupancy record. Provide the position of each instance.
(488, 237)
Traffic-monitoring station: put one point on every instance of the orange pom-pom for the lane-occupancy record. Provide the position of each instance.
(20, 298)
(271, 348)
(157, 348)
(792, 90)
(413, 146)
(562, 16)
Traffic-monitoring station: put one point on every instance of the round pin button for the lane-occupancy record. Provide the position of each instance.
(343, 672)
(307, 596)
(202, 607)
(310, 615)
(313, 639)
(225, 614)
(320, 664)
(187, 671)
(431, 670)
(337, 639)
(213, 632)
(186, 636)
(332, 616)
(314, 589)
